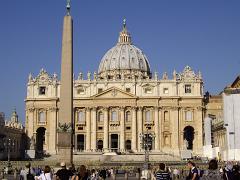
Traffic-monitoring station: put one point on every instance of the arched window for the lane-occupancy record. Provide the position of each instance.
(42, 117)
(166, 116)
(188, 115)
(128, 145)
(148, 116)
(128, 116)
(81, 116)
(114, 116)
(100, 116)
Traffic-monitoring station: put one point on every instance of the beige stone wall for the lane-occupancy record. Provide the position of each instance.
(165, 99)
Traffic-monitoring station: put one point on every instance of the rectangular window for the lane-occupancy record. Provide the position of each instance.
(42, 90)
(188, 89)
(128, 89)
(188, 116)
(81, 91)
(100, 90)
(100, 128)
(80, 128)
(81, 117)
(148, 90)
(165, 90)
(128, 128)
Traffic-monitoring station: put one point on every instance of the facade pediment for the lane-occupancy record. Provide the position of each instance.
(114, 93)
(236, 83)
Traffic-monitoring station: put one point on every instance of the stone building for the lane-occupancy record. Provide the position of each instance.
(117, 105)
(231, 101)
(11, 137)
(223, 113)
(214, 124)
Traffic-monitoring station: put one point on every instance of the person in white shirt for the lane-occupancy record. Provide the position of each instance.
(46, 175)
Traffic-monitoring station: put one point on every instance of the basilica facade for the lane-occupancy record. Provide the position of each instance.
(120, 105)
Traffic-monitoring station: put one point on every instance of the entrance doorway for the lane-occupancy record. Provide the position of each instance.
(188, 136)
(80, 142)
(114, 142)
(100, 144)
(40, 141)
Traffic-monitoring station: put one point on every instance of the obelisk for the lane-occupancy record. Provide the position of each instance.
(65, 124)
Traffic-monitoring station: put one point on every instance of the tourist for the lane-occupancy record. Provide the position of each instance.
(227, 171)
(94, 175)
(103, 173)
(27, 172)
(46, 174)
(162, 174)
(63, 173)
(212, 173)
(176, 174)
(236, 173)
(193, 171)
(81, 174)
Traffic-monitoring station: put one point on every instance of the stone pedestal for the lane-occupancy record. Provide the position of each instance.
(65, 147)
(208, 151)
(30, 154)
(186, 154)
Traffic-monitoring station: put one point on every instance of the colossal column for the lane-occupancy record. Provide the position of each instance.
(156, 129)
(88, 127)
(105, 129)
(94, 129)
(66, 94)
(140, 127)
(122, 131)
(134, 129)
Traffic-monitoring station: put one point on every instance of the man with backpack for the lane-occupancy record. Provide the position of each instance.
(27, 173)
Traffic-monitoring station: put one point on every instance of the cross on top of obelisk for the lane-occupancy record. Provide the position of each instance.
(68, 7)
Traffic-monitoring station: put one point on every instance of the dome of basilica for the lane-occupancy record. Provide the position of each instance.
(124, 59)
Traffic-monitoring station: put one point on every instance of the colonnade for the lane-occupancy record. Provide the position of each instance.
(138, 127)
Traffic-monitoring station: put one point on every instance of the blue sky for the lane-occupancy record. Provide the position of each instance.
(204, 34)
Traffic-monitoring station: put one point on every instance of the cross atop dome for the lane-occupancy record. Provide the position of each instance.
(124, 36)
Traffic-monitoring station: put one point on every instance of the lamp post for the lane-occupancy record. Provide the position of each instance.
(145, 137)
(9, 143)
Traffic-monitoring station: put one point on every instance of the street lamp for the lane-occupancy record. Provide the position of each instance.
(9, 144)
(145, 137)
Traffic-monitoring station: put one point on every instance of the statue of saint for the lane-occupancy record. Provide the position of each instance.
(32, 143)
(186, 144)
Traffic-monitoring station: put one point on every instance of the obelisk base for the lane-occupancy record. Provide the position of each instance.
(65, 152)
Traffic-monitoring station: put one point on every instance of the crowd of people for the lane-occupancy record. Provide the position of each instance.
(231, 171)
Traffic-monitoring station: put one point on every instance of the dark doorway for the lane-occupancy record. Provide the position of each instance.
(114, 141)
(80, 142)
(188, 135)
(128, 145)
(100, 144)
(40, 140)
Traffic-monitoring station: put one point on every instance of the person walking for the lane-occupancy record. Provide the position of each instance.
(81, 174)
(212, 173)
(27, 173)
(162, 174)
(63, 173)
(193, 171)
(236, 173)
(46, 175)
